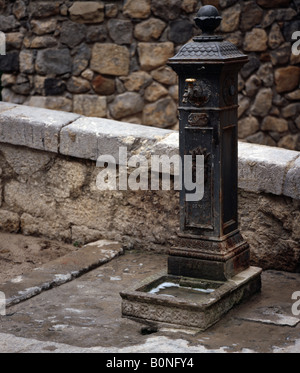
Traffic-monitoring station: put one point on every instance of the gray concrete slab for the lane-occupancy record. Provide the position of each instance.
(84, 315)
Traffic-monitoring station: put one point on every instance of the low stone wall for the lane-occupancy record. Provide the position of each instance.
(108, 59)
(48, 175)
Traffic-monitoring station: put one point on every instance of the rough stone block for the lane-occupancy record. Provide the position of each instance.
(9, 221)
(89, 138)
(90, 105)
(110, 59)
(153, 55)
(263, 168)
(87, 11)
(37, 226)
(37, 129)
(292, 181)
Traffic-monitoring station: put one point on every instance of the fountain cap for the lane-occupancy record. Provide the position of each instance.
(208, 19)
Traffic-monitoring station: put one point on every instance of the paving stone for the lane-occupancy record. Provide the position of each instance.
(60, 271)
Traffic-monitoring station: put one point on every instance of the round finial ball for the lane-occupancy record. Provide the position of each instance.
(208, 19)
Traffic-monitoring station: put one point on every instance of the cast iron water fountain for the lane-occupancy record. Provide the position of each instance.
(208, 266)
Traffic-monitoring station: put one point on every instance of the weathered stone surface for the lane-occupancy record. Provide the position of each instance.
(41, 27)
(247, 126)
(263, 168)
(54, 86)
(256, 40)
(293, 95)
(72, 33)
(111, 10)
(9, 96)
(292, 181)
(173, 91)
(25, 162)
(287, 78)
(252, 65)
(153, 55)
(150, 29)
(81, 58)
(251, 15)
(96, 33)
(137, 81)
(269, 18)
(27, 59)
(289, 142)
(110, 59)
(269, 226)
(162, 113)
(88, 74)
(88, 138)
(289, 28)
(103, 85)
(32, 225)
(280, 56)
(9, 62)
(53, 61)
(37, 129)
(78, 85)
(90, 105)
(23, 85)
(263, 102)
(59, 103)
(126, 104)
(9, 221)
(120, 31)
(290, 110)
(7, 80)
(39, 42)
(274, 124)
(244, 104)
(275, 36)
(231, 18)
(252, 85)
(226, 3)
(167, 10)
(14, 40)
(189, 6)
(297, 121)
(19, 9)
(137, 8)
(43, 9)
(261, 138)
(155, 91)
(8, 23)
(285, 14)
(87, 11)
(164, 75)
(181, 30)
(273, 3)
(265, 73)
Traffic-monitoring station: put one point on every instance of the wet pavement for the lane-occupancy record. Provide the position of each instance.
(84, 315)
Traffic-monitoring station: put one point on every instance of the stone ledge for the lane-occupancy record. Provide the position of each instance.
(91, 137)
(261, 168)
(32, 127)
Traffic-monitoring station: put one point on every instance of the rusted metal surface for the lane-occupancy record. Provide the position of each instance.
(208, 100)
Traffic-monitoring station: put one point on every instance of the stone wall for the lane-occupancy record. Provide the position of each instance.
(48, 175)
(108, 59)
